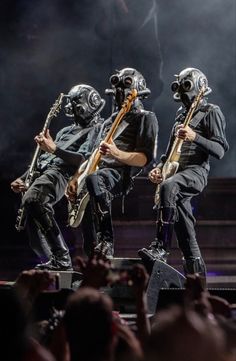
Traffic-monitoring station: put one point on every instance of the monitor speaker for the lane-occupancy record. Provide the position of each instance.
(162, 276)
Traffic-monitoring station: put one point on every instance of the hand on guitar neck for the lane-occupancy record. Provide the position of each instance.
(109, 149)
(185, 133)
(45, 142)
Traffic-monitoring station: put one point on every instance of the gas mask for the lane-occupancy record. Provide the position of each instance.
(188, 84)
(83, 103)
(125, 80)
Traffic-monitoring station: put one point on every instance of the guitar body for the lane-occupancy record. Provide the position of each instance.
(32, 173)
(171, 165)
(169, 169)
(20, 219)
(77, 209)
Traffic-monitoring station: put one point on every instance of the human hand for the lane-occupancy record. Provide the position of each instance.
(30, 283)
(124, 334)
(155, 175)
(185, 133)
(95, 271)
(109, 149)
(45, 142)
(71, 189)
(18, 185)
(139, 278)
(196, 295)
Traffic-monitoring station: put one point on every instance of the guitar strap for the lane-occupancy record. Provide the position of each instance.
(75, 137)
(196, 119)
(121, 127)
(199, 116)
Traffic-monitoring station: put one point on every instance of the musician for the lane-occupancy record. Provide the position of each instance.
(131, 149)
(204, 137)
(54, 168)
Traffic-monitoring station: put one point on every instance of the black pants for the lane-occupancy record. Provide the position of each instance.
(103, 186)
(177, 192)
(39, 200)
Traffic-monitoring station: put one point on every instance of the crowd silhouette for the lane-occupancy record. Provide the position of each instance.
(88, 328)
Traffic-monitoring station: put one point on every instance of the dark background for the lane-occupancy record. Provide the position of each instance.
(47, 46)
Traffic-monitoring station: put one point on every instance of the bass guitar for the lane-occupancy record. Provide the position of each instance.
(76, 209)
(32, 173)
(171, 165)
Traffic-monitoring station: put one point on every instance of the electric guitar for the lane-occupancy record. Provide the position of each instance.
(32, 173)
(76, 209)
(171, 165)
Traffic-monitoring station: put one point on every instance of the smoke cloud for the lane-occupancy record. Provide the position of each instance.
(47, 46)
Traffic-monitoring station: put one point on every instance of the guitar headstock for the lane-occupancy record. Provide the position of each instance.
(129, 100)
(202, 90)
(55, 109)
(198, 97)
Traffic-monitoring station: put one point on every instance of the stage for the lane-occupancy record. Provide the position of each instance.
(214, 210)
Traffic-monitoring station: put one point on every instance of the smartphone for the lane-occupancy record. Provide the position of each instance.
(55, 284)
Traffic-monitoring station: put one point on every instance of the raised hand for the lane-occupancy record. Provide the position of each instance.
(95, 271)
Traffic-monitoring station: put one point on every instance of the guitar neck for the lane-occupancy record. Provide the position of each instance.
(175, 150)
(96, 156)
(177, 144)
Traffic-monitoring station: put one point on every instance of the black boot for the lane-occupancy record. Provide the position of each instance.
(37, 240)
(60, 259)
(194, 265)
(160, 247)
(104, 247)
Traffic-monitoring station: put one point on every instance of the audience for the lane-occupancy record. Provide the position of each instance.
(16, 335)
(89, 329)
(181, 334)
(89, 326)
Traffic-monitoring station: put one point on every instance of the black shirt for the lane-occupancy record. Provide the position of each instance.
(139, 135)
(210, 137)
(69, 159)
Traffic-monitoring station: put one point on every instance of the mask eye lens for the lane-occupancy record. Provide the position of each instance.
(128, 81)
(94, 100)
(175, 86)
(77, 98)
(114, 80)
(187, 85)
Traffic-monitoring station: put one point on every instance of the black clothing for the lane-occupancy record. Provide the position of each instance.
(177, 191)
(210, 138)
(114, 178)
(49, 187)
(139, 135)
(191, 177)
(66, 160)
